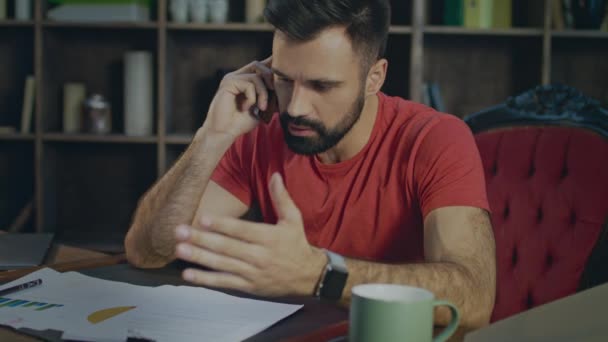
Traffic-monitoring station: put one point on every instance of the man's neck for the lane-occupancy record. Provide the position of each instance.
(356, 139)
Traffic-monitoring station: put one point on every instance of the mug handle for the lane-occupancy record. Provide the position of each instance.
(451, 328)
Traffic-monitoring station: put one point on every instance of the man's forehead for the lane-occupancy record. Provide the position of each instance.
(327, 56)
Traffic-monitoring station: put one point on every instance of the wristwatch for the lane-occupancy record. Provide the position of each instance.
(334, 277)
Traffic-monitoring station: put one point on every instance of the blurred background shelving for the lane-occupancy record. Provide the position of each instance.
(85, 187)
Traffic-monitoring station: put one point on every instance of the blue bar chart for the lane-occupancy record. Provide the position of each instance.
(7, 303)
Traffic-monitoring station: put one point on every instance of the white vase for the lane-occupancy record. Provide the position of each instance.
(23, 9)
(218, 11)
(199, 10)
(138, 93)
(179, 10)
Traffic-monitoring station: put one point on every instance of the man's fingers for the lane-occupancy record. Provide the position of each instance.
(247, 69)
(245, 92)
(212, 260)
(221, 244)
(260, 89)
(217, 280)
(283, 204)
(264, 71)
(254, 233)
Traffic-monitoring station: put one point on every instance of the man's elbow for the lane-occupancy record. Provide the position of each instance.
(137, 255)
(133, 256)
(481, 311)
(482, 303)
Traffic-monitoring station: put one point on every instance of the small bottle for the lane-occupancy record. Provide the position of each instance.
(96, 115)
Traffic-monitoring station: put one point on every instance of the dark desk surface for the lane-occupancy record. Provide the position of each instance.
(314, 315)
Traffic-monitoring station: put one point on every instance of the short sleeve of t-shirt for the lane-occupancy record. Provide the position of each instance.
(233, 173)
(448, 168)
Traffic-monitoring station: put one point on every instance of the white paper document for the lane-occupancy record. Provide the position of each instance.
(87, 308)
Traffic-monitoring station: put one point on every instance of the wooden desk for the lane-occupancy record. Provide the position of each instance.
(61, 258)
(310, 323)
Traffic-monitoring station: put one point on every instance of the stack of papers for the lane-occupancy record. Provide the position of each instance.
(91, 309)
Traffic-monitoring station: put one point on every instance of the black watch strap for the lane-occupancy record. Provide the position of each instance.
(334, 277)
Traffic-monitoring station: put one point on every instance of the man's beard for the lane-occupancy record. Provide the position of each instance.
(326, 138)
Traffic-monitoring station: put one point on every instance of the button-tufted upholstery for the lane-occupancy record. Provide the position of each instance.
(548, 189)
(545, 155)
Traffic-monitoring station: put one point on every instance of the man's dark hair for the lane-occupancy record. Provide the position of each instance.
(366, 22)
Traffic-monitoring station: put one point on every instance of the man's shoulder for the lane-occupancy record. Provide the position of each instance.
(416, 120)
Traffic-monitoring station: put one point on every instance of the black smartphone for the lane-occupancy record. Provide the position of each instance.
(273, 107)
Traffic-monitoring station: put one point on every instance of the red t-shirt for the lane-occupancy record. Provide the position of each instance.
(371, 206)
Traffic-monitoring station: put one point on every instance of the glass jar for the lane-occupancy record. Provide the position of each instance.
(96, 115)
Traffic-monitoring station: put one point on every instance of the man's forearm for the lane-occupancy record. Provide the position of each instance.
(448, 281)
(172, 201)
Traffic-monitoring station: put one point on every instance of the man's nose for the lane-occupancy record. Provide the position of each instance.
(300, 103)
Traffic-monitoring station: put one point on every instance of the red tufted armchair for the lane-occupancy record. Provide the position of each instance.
(545, 155)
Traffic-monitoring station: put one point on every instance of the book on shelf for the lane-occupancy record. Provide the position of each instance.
(426, 99)
(3, 6)
(453, 13)
(431, 96)
(7, 130)
(436, 98)
(605, 22)
(478, 13)
(502, 14)
(568, 15)
(28, 104)
(557, 15)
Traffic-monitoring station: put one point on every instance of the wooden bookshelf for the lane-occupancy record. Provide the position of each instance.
(514, 32)
(179, 139)
(580, 34)
(239, 27)
(86, 186)
(101, 25)
(91, 138)
(17, 137)
(16, 23)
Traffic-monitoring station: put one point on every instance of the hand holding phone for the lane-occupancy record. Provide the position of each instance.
(263, 69)
(244, 98)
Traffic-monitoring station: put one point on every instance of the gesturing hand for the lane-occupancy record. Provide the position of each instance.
(262, 259)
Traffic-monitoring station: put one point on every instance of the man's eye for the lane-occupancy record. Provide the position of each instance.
(321, 88)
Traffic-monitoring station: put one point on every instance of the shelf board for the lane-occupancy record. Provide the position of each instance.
(101, 25)
(509, 32)
(398, 29)
(16, 137)
(93, 138)
(221, 27)
(580, 34)
(252, 27)
(179, 139)
(16, 23)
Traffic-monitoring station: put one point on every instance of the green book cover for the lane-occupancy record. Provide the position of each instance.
(502, 16)
(478, 13)
(453, 13)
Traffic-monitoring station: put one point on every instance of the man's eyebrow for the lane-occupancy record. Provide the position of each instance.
(279, 73)
(323, 81)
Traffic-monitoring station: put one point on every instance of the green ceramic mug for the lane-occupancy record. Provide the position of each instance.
(387, 313)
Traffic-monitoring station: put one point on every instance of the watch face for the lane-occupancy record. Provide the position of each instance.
(333, 283)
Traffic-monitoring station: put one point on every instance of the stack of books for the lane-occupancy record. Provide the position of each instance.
(484, 14)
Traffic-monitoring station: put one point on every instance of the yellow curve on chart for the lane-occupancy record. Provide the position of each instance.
(102, 315)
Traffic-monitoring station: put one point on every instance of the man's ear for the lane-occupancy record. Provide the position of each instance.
(376, 77)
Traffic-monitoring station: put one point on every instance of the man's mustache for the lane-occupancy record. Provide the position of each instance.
(303, 122)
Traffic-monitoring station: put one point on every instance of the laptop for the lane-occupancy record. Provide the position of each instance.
(23, 250)
(580, 317)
